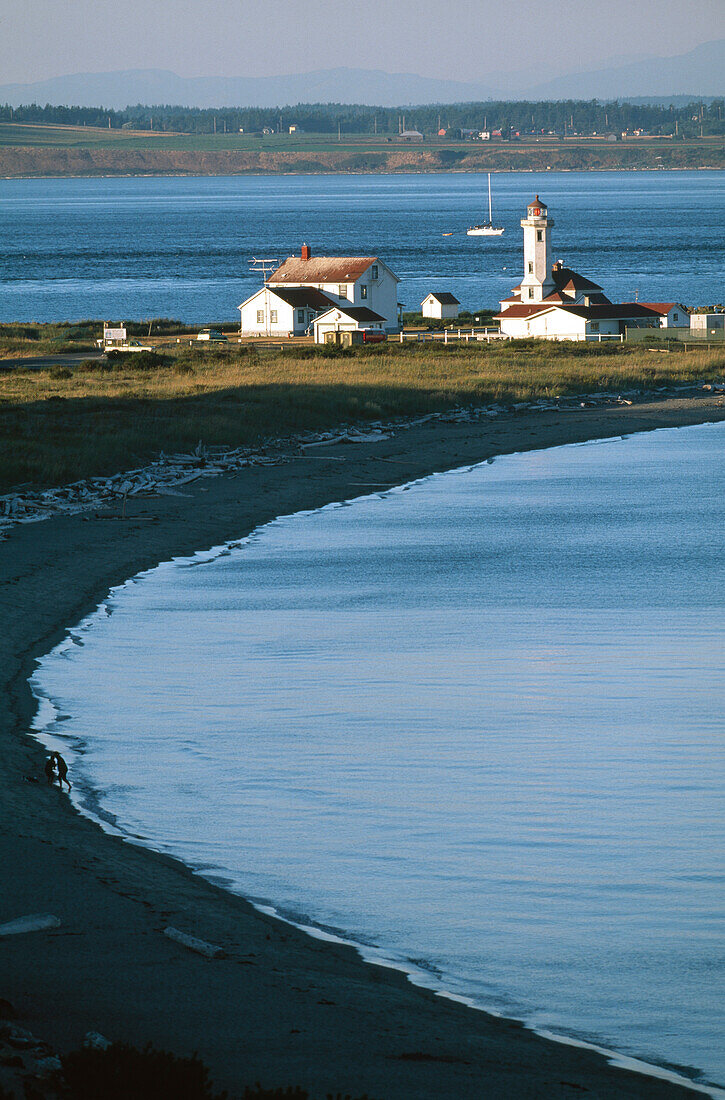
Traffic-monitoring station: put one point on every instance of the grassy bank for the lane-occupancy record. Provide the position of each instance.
(205, 155)
(61, 425)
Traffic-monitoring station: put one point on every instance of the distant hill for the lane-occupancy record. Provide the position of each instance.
(701, 72)
(122, 89)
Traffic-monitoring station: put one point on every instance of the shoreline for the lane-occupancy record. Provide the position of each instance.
(391, 1039)
(359, 172)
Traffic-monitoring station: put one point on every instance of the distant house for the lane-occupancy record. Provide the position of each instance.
(295, 129)
(350, 322)
(571, 322)
(441, 305)
(364, 281)
(670, 314)
(282, 311)
(411, 135)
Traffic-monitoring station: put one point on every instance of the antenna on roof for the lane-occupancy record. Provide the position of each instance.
(265, 266)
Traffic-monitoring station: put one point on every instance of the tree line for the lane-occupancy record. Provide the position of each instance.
(562, 117)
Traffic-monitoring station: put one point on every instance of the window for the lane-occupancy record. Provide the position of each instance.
(675, 316)
(342, 290)
(375, 271)
(531, 292)
(363, 292)
(273, 316)
(594, 326)
(539, 234)
(260, 316)
(300, 317)
(531, 267)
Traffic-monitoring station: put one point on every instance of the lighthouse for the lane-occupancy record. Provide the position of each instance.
(537, 282)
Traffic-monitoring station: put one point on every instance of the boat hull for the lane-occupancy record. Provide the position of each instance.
(484, 231)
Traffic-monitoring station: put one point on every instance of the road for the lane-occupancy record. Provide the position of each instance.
(39, 362)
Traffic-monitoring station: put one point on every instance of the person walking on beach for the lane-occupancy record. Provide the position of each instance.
(62, 771)
(49, 769)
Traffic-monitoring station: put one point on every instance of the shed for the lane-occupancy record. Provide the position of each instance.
(443, 305)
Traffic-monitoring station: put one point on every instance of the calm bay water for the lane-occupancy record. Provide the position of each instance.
(475, 722)
(140, 248)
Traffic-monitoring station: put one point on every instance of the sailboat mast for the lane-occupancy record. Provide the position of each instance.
(490, 221)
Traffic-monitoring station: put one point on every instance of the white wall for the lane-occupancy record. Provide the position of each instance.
(268, 305)
(431, 307)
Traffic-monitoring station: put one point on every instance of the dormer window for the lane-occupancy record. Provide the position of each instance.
(342, 290)
(374, 271)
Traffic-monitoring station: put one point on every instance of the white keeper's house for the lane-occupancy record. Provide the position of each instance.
(556, 303)
(306, 286)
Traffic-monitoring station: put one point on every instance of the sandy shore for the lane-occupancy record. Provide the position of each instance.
(280, 1008)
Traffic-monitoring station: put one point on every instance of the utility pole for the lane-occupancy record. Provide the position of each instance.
(339, 131)
(215, 124)
(375, 125)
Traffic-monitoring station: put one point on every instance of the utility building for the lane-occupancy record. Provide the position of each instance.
(443, 306)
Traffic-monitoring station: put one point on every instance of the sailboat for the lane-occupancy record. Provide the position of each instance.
(489, 229)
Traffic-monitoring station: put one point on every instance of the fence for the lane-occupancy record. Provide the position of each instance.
(698, 338)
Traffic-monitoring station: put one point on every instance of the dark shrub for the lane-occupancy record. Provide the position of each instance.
(60, 373)
(139, 360)
(123, 1073)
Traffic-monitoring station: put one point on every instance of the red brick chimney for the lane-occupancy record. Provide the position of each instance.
(305, 252)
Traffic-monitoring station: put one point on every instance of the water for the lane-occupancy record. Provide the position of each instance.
(475, 722)
(141, 248)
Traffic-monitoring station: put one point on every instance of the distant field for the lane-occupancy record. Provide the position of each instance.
(27, 149)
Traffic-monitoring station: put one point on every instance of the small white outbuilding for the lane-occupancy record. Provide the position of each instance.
(443, 306)
(349, 324)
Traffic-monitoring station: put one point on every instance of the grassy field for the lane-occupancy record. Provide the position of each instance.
(34, 149)
(61, 425)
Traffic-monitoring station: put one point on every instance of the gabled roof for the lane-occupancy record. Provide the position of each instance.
(303, 296)
(661, 307)
(598, 312)
(527, 311)
(610, 311)
(355, 313)
(322, 269)
(296, 296)
(565, 279)
(444, 297)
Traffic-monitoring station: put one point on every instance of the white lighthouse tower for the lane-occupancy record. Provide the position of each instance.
(537, 282)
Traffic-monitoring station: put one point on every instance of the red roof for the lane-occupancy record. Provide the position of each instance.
(527, 311)
(598, 312)
(661, 307)
(322, 269)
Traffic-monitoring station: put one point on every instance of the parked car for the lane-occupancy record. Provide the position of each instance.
(212, 335)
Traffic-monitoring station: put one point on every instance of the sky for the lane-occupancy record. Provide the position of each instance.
(460, 39)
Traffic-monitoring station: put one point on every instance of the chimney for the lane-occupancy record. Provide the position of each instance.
(305, 252)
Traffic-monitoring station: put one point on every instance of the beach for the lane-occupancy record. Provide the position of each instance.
(280, 1007)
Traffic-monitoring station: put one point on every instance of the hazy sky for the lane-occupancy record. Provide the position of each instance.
(459, 39)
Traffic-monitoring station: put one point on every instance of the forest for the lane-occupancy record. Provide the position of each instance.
(514, 119)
